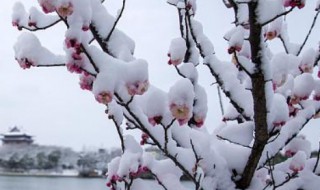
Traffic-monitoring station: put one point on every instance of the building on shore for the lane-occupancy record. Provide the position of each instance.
(15, 136)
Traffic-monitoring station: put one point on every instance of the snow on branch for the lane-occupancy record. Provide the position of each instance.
(272, 95)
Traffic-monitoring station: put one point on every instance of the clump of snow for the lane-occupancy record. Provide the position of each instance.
(29, 52)
(181, 96)
(303, 86)
(307, 61)
(239, 133)
(19, 15)
(298, 162)
(298, 144)
(279, 112)
(269, 9)
(177, 51)
(189, 70)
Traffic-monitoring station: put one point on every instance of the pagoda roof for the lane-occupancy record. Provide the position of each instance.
(15, 131)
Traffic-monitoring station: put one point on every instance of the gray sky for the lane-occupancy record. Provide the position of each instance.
(48, 102)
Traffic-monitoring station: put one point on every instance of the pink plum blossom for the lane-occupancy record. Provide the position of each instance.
(25, 63)
(86, 82)
(155, 120)
(65, 10)
(47, 6)
(104, 97)
(294, 3)
(137, 88)
(74, 67)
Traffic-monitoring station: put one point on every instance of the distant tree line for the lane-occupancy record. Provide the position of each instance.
(54, 159)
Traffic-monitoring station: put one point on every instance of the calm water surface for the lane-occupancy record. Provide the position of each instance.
(58, 183)
(50, 183)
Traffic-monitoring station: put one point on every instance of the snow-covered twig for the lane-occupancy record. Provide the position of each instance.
(284, 44)
(241, 65)
(157, 143)
(159, 181)
(277, 16)
(119, 133)
(232, 142)
(36, 28)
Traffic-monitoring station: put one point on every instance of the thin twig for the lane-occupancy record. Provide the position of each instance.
(309, 32)
(284, 44)
(158, 144)
(220, 100)
(159, 181)
(35, 28)
(119, 133)
(196, 165)
(277, 16)
(240, 65)
(232, 142)
(117, 20)
(179, 72)
(52, 65)
(294, 175)
(317, 162)
(181, 22)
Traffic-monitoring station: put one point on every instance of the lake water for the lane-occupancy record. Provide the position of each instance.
(55, 183)
(50, 183)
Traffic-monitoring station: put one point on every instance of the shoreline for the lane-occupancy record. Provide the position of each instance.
(51, 175)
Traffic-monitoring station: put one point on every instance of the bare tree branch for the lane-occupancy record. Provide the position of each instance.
(278, 16)
(117, 20)
(317, 162)
(309, 32)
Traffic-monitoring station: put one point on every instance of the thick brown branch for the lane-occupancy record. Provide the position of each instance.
(259, 99)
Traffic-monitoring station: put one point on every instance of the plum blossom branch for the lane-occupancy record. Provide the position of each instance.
(270, 169)
(102, 43)
(117, 20)
(159, 181)
(284, 44)
(232, 142)
(289, 177)
(216, 75)
(228, 94)
(241, 65)
(118, 131)
(181, 22)
(220, 100)
(317, 162)
(157, 143)
(52, 65)
(198, 159)
(36, 28)
(277, 16)
(179, 72)
(291, 138)
(309, 32)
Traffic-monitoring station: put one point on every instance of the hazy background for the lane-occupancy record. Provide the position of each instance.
(48, 103)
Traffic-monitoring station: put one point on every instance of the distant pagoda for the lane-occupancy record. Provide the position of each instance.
(16, 137)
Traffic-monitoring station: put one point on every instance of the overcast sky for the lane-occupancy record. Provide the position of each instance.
(48, 103)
